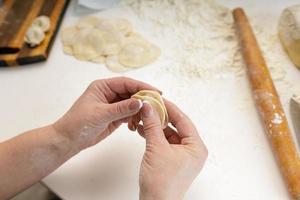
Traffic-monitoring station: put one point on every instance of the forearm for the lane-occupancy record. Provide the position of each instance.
(29, 157)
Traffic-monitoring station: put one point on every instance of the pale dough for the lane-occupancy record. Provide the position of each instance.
(289, 32)
(155, 99)
(109, 41)
(89, 45)
(112, 63)
(68, 50)
(138, 54)
(88, 22)
(99, 59)
(34, 36)
(68, 35)
(43, 22)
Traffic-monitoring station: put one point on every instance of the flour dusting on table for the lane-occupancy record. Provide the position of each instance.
(198, 36)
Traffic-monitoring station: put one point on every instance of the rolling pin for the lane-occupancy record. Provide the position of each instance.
(268, 104)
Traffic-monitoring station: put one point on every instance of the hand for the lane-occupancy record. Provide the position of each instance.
(172, 159)
(100, 110)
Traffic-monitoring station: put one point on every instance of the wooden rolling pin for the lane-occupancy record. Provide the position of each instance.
(269, 105)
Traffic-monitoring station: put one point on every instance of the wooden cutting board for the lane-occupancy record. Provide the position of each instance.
(15, 17)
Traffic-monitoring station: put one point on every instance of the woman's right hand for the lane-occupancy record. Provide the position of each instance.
(173, 158)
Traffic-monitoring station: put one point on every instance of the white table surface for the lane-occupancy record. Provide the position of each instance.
(240, 163)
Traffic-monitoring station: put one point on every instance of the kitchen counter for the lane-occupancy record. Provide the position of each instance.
(240, 163)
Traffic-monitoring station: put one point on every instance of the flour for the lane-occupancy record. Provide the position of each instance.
(198, 36)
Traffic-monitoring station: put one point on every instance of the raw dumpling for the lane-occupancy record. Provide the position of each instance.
(43, 22)
(155, 99)
(34, 36)
(289, 32)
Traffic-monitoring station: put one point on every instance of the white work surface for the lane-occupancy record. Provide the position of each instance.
(240, 163)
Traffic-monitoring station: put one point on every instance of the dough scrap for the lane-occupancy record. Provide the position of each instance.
(112, 63)
(289, 32)
(43, 22)
(155, 99)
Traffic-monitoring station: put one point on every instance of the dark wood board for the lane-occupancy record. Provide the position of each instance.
(15, 17)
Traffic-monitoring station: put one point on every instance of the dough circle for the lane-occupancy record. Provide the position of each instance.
(289, 32)
(155, 99)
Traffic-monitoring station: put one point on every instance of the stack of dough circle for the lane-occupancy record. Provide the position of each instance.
(109, 41)
(289, 32)
(156, 101)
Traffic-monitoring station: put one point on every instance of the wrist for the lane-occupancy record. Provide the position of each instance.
(64, 141)
(159, 196)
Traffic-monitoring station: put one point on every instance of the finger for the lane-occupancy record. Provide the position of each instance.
(185, 127)
(123, 85)
(171, 135)
(121, 109)
(153, 132)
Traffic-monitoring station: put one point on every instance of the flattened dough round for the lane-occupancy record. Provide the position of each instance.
(89, 44)
(112, 63)
(289, 32)
(123, 26)
(99, 59)
(68, 50)
(155, 99)
(68, 35)
(138, 54)
(88, 22)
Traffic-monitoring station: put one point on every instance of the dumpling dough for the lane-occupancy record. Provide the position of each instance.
(138, 54)
(112, 63)
(88, 22)
(68, 35)
(155, 99)
(99, 59)
(43, 22)
(89, 44)
(289, 32)
(34, 36)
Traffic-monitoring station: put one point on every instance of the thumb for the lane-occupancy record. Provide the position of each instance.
(152, 129)
(122, 109)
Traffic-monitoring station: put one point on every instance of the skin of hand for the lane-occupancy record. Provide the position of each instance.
(101, 109)
(173, 158)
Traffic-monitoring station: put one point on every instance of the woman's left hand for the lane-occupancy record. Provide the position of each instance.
(101, 109)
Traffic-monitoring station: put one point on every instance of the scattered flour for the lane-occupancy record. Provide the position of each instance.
(198, 36)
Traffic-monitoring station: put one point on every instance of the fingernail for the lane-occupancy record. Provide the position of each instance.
(147, 109)
(136, 104)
